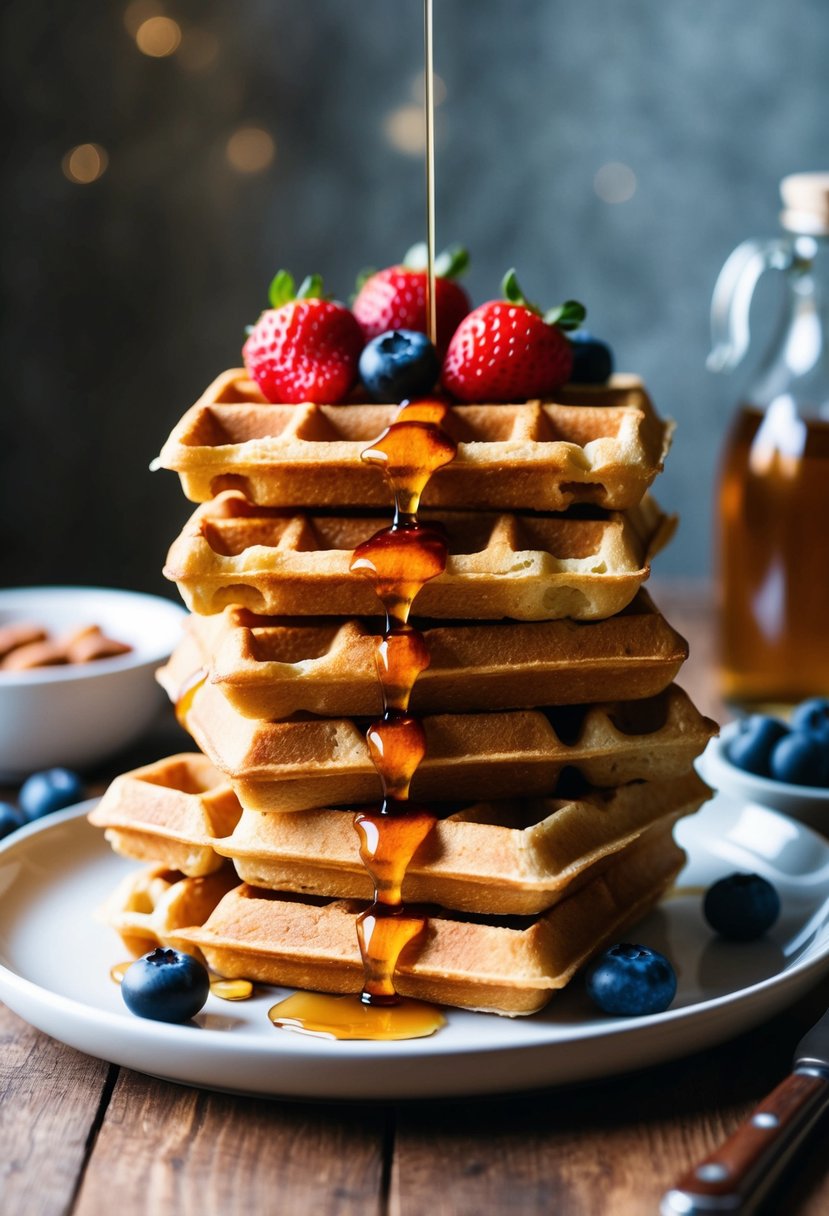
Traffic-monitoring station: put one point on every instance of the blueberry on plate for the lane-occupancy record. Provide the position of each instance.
(800, 758)
(812, 716)
(629, 980)
(165, 985)
(751, 747)
(10, 819)
(741, 907)
(399, 366)
(592, 359)
(49, 791)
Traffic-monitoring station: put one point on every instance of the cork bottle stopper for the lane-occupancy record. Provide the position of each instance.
(806, 203)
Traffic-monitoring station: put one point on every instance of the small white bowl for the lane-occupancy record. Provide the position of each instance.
(78, 714)
(808, 803)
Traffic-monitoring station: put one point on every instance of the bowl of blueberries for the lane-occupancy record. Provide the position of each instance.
(776, 764)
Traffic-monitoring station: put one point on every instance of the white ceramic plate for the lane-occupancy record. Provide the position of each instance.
(55, 959)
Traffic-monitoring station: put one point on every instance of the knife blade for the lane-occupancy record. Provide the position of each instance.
(738, 1175)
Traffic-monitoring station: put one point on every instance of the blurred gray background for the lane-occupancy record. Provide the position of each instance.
(613, 150)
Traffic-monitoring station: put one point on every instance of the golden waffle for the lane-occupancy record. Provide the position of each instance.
(514, 857)
(170, 812)
(603, 448)
(510, 967)
(511, 858)
(272, 667)
(150, 906)
(529, 567)
(306, 763)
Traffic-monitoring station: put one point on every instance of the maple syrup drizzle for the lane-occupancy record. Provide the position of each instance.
(231, 990)
(187, 693)
(398, 561)
(227, 990)
(429, 100)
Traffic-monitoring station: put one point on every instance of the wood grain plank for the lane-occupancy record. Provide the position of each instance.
(50, 1098)
(172, 1151)
(613, 1147)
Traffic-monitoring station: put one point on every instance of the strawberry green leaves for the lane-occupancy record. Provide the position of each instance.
(566, 317)
(283, 289)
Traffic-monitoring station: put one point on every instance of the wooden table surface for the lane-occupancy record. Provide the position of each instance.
(81, 1136)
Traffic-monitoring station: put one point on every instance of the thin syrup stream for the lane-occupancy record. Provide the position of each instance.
(431, 299)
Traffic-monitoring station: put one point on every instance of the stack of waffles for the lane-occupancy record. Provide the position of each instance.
(559, 751)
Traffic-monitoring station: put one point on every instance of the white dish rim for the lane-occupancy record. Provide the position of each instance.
(767, 787)
(147, 654)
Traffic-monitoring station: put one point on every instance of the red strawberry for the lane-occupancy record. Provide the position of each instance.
(396, 298)
(303, 348)
(507, 351)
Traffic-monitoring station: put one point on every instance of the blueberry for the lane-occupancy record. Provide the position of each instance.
(592, 359)
(399, 366)
(751, 747)
(741, 906)
(165, 985)
(631, 981)
(800, 758)
(812, 715)
(10, 819)
(49, 791)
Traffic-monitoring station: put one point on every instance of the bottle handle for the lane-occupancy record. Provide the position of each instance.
(731, 302)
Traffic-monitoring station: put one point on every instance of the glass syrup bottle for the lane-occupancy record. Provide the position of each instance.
(773, 496)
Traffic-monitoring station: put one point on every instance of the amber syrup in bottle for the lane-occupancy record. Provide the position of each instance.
(773, 496)
(774, 557)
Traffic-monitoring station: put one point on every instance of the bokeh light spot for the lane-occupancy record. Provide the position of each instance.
(250, 149)
(615, 182)
(405, 130)
(85, 163)
(158, 37)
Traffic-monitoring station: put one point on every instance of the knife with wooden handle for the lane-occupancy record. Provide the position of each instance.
(738, 1175)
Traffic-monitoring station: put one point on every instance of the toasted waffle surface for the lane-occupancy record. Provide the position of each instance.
(516, 857)
(272, 667)
(528, 567)
(170, 812)
(510, 967)
(601, 447)
(149, 907)
(306, 763)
